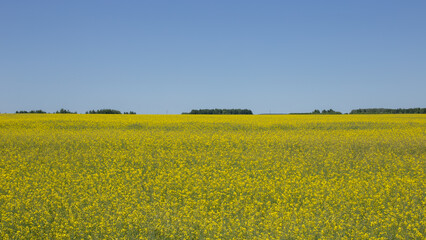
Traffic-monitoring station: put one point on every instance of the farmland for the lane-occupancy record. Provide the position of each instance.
(212, 177)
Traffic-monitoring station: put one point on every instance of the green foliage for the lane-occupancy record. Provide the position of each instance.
(104, 111)
(32, 111)
(65, 111)
(131, 112)
(220, 111)
(330, 111)
(316, 111)
(389, 111)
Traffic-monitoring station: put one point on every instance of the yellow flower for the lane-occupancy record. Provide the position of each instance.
(212, 177)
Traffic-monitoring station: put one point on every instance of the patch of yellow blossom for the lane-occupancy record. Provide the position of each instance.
(212, 177)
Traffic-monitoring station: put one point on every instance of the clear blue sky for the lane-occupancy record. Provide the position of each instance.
(154, 57)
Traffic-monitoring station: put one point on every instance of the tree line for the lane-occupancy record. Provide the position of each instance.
(221, 111)
(103, 111)
(373, 111)
(108, 111)
(248, 111)
(330, 111)
(32, 111)
(66, 111)
(317, 111)
(388, 111)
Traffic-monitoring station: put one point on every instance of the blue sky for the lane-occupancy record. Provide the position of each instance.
(157, 57)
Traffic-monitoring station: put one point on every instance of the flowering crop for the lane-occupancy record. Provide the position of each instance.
(212, 177)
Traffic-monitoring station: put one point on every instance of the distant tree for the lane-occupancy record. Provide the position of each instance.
(104, 111)
(63, 111)
(32, 111)
(389, 111)
(220, 111)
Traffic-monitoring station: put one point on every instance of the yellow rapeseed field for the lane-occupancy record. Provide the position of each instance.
(212, 177)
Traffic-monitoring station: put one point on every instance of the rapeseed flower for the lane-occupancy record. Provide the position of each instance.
(212, 177)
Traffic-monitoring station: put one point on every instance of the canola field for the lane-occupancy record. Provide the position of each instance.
(212, 177)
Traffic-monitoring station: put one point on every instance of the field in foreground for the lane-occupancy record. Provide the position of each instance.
(201, 177)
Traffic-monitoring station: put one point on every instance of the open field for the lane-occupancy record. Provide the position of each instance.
(201, 177)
